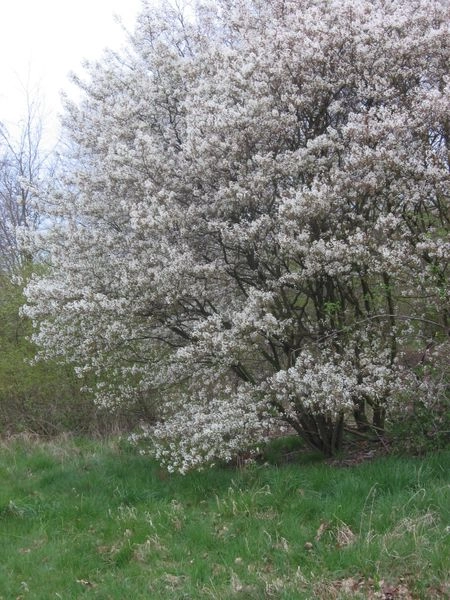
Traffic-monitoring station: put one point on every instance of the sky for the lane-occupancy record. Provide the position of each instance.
(42, 41)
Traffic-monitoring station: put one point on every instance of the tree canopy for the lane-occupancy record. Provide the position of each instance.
(253, 226)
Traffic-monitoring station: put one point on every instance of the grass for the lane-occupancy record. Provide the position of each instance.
(83, 519)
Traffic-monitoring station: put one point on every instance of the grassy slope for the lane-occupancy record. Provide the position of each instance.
(84, 520)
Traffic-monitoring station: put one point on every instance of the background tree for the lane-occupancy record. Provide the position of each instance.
(24, 164)
(255, 220)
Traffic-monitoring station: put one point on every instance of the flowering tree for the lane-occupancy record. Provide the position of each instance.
(254, 225)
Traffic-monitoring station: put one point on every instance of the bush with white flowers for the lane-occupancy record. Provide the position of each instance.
(253, 227)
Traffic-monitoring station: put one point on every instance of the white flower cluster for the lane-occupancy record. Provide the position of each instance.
(208, 430)
(316, 386)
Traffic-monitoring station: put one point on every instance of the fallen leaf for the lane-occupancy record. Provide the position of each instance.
(86, 583)
(349, 585)
(322, 528)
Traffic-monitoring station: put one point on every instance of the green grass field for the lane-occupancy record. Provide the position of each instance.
(83, 519)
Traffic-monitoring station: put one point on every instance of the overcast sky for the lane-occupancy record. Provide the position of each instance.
(41, 41)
